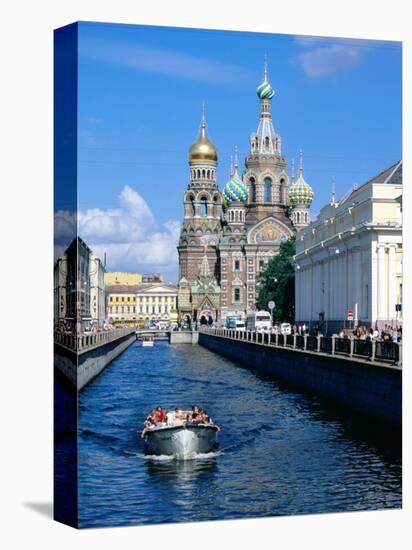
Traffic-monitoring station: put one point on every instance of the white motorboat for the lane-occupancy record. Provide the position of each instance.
(147, 342)
(181, 441)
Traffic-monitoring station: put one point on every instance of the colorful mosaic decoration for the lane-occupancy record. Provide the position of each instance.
(300, 192)
(235, 190)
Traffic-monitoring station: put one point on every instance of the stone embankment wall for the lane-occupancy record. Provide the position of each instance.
(370, 389)
(184, 337)
(82, 366)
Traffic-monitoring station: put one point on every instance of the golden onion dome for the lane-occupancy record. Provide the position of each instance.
(203, 148)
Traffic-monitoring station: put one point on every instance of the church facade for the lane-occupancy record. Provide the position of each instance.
(227, 237)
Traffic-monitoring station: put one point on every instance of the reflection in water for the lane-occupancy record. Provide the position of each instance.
(281, 451)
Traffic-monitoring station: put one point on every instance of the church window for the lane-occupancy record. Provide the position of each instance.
(268, 190)
(236, 295)
(203, 174)
(253, 189)
(298, 217)
(203, 207)
(267, 142)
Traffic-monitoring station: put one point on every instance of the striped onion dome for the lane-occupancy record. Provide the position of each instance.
(300, 192)
(235, 191)
(265, 90)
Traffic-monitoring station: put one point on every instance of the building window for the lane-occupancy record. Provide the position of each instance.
(261, 265)
(236, 295)
(268, 190)
(117, 298)
(236, 265)
(203, 207)
(122, 299)
(252, 189)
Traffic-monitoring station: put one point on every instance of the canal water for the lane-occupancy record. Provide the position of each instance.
(282, 452)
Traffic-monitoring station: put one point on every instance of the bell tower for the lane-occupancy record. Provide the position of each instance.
(202, 209)
(266, 175)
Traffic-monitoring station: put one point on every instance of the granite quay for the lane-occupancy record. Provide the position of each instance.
(82, 357)
(360, 375)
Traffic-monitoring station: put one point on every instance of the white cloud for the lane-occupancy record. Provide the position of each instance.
(128, 235)
(327, 60)
(166, 62)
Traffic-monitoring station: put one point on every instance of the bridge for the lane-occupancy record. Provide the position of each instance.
(157, 334)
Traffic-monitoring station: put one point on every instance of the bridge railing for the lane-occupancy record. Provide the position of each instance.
(381, 351)
(81, 342)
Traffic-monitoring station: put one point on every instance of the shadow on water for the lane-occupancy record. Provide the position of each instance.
(353, 426)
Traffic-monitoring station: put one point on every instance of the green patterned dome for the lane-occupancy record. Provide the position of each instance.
(300, 192)
(235, 191)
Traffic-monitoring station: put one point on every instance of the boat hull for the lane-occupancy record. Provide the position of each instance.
(182, 441)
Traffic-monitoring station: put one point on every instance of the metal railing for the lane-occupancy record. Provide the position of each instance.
(379, 351)
(81, 342)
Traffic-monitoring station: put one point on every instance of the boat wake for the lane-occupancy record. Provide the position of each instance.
(176, 458)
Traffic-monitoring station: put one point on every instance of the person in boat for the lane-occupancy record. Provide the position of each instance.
(149, 424)
(160, 414)
(195, 409)
(170, 418)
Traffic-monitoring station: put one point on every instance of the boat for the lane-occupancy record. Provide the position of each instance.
(183, 440)
(147, 342)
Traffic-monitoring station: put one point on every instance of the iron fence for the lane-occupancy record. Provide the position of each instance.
(342, 345)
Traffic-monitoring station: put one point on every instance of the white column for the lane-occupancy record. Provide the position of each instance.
(373, 305)
(357, 286)
(392, 291)
(381, 286)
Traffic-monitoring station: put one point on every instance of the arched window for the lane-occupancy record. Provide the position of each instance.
(298, 217)
(268, 190)
(267, 142)
(208, 174)
(252, 190)
(203, 207)
(203, 174)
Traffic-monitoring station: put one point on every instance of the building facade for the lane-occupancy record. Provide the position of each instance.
(228, 236)
(79, 292)
(140, 304)
(350, 258)
(124, 278)
(113, 278)
(121, 304)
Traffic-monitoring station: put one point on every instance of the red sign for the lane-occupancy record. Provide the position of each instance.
(350, 315)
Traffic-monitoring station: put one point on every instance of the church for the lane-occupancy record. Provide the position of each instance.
(227, 237)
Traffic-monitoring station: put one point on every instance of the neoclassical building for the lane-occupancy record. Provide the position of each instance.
(228, 236)
(350, 258)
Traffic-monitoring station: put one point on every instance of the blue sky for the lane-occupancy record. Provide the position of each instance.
(140, 96)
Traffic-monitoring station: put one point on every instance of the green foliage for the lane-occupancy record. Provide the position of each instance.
(281, 290)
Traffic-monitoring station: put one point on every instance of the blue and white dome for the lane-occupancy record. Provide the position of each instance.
(265, 90)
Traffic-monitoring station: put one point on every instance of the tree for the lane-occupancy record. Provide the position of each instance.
(277, 283)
